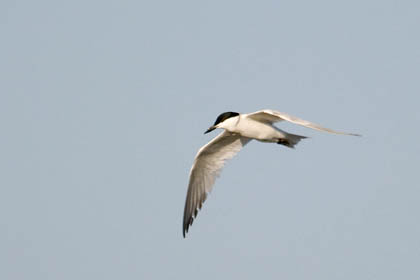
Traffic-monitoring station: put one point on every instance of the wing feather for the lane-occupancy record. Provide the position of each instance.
(271, 116)
(207, 165)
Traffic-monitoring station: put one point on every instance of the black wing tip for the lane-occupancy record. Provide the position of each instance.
(186, 226)
(185, 229)
(184, 232)
(187, 222)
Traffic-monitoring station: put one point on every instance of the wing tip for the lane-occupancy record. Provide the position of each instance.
(186, 226)
(351, 134)
(184, 230)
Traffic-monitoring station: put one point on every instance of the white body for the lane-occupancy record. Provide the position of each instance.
(251, 128)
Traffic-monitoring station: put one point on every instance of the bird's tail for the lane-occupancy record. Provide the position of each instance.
(291, 140)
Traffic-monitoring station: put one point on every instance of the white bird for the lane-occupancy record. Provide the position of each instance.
(239, 129)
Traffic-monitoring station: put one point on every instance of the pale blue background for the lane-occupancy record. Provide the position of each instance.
(103, 108)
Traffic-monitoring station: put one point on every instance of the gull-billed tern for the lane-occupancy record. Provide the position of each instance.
(239, 129)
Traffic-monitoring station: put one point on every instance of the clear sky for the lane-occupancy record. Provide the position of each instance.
(103, 105)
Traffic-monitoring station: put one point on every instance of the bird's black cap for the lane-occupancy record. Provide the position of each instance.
(221, 118)
(224, 116)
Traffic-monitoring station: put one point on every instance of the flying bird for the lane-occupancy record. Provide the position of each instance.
(239, 129)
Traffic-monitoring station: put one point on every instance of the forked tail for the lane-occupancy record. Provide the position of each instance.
(291, 140)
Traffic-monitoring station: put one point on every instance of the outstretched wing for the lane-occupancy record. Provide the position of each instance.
(271, 116)
(208, 163)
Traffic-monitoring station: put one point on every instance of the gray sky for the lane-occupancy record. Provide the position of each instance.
(103, 106)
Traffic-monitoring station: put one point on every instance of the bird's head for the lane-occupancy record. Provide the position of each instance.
(222, 121)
